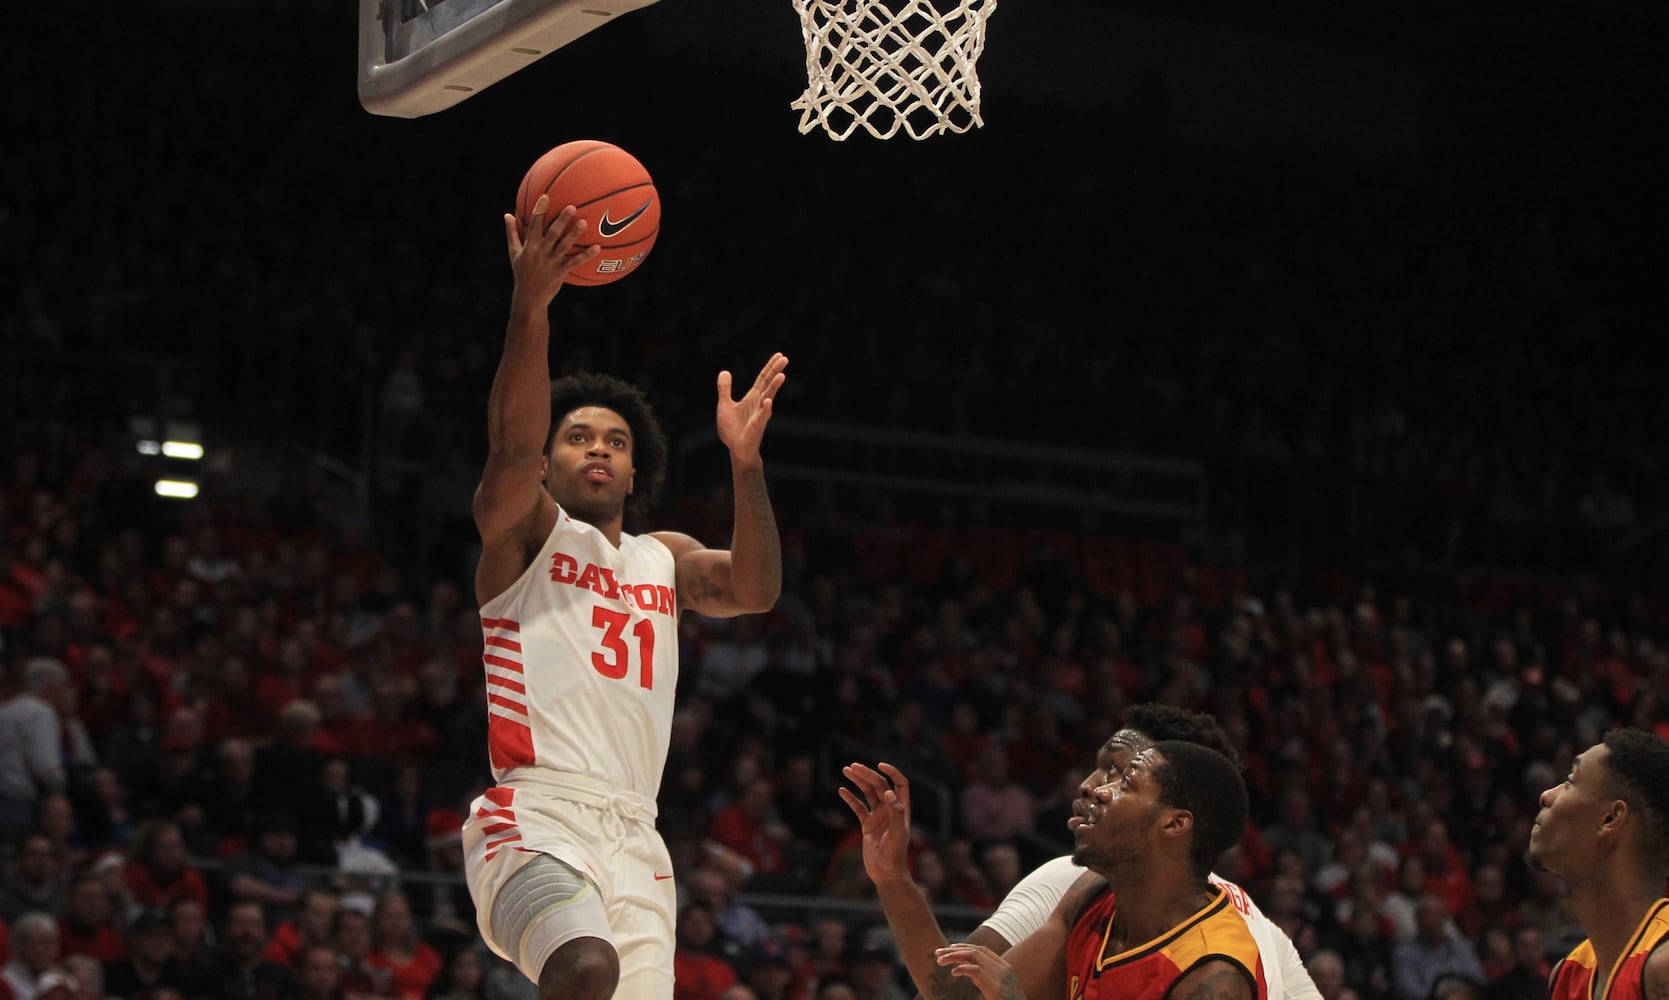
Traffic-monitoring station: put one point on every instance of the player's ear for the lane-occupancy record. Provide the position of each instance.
(1178, 823)
(544, 466)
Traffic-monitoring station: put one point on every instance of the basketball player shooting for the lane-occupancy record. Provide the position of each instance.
(571, 881)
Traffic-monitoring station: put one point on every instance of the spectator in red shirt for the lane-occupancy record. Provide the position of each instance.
(157, 872)
(1491, 904)
(395, 947)
(697, 972)
(391, 731)
(353, 943)
(313, 924)
(750, 827)
(965, 740)
(87, 926)
(337, 730)
(1446, 876)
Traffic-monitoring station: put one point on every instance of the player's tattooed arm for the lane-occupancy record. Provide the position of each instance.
(761, 579)
(747, 579)
(699, 583)
(948, 987)
(990, 974)
(721, 584)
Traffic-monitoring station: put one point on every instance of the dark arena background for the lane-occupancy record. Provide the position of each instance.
(1301, 366)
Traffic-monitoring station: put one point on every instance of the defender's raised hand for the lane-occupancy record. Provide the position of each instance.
(883, 811)
(741, 422)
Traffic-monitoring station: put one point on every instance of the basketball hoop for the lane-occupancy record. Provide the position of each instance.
(887, 65)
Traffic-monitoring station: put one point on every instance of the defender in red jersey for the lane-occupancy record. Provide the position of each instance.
(570, 879)
(1605, 830)
(1169, 932)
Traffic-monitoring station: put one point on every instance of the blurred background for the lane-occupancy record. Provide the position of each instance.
(1297, 365)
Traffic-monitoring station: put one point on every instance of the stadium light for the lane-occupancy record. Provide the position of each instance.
(178, 489)
(189, 450)
(149, 447)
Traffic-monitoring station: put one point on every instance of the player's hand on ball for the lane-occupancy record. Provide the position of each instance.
(543, 255)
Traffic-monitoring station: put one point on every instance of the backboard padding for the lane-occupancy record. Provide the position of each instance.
(453, 49)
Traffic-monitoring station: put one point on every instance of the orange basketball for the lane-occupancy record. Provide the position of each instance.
(614, 195)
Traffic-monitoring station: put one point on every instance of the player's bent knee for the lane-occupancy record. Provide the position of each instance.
(551, 919)
(585, 968)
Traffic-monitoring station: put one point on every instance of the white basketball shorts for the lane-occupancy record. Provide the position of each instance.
(608, 836)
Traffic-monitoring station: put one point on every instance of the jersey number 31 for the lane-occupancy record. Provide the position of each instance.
(614, 659)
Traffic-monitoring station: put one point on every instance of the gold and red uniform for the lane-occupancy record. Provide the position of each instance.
(1149, 970)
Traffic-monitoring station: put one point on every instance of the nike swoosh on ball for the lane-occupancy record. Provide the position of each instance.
(609, 228)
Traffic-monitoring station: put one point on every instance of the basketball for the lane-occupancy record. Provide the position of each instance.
(612, 192)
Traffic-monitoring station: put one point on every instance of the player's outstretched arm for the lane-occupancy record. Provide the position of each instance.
(746, 579)
(511, 504)
(882, 806)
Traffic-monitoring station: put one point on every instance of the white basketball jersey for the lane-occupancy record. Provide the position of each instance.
(582, 660)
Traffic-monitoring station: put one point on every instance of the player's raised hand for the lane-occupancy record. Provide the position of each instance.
(883, 811)
(543, 254)
(741, 422)
(983, 967)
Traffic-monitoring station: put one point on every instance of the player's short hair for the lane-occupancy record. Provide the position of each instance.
(1167, 722)
(1639, 765)
(649, 449)
(1207, 784)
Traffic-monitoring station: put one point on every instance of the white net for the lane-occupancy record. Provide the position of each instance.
(886, 65)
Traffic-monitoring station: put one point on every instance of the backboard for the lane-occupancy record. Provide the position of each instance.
(417, 57)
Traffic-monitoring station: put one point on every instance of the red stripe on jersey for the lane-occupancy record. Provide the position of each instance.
(507, 624)
(500, 796)
(502, 643)
(507, 684)
(499, 661)
(488, 831)
(509, 743)
(490, 813)
(494, 845)
(501, 702)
